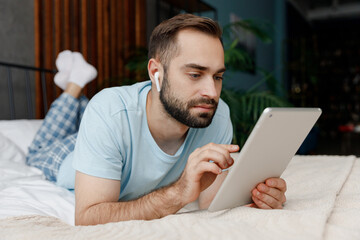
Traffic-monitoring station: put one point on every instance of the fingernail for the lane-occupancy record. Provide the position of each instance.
(263, 188)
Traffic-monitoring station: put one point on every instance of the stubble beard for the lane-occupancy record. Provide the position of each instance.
(180, 110)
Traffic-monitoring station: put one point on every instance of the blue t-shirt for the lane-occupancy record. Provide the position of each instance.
(114, 142)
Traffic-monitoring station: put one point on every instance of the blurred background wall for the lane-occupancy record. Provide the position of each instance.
(313, 54)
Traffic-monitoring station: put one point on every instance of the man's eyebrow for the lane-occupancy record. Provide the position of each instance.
(221, 70)
(202, 68)
(196, 66)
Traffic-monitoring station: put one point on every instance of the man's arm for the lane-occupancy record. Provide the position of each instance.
(96, 198)
(97, 202)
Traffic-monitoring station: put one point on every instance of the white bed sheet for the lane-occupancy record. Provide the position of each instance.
(23, 189)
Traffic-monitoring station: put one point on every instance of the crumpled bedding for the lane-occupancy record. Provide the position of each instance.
(322, 203)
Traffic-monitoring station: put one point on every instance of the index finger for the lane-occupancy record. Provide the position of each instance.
(278, 183)
(230, 147)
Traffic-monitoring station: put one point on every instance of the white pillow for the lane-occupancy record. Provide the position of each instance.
(21, 132)
(9, 151)
(12, 164)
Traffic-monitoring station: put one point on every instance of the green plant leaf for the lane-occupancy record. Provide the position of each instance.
(259, 29)
(246, 108)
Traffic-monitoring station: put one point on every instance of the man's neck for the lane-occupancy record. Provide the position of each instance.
(168, 133)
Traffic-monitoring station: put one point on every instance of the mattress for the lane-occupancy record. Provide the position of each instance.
(323, 202)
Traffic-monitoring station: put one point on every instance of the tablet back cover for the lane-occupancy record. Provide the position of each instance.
(273, 142)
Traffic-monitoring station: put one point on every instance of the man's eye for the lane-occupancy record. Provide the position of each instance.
(218, 78)
(194, 75)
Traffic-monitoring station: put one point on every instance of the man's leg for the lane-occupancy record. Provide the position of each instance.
(57, 135)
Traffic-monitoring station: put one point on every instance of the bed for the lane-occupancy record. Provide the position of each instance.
(323, 198)
(323, 202)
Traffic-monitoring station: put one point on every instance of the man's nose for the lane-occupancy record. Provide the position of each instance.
(209, 88)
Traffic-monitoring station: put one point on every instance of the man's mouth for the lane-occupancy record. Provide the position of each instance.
(205, 107)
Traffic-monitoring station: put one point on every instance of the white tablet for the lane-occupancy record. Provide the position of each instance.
(271, 145)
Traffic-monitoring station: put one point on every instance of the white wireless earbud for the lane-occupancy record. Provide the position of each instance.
(157, 81)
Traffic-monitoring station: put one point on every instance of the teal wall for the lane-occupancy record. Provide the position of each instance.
(268, 56)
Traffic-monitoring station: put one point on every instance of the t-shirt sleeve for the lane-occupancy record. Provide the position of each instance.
(97, 150)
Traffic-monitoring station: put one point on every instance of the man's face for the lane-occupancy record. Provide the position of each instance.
(192, 80)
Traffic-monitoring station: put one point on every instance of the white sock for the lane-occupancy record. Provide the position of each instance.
(81, 72)
(64, 62)
(61, 79)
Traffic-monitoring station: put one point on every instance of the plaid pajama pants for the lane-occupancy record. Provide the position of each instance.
(57, 135)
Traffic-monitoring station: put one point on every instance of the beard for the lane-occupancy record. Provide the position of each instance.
(180, 110)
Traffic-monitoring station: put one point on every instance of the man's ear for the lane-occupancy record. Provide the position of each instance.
(154, 70)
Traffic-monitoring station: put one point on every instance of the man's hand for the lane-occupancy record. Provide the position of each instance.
(202, 168)
(270, 194)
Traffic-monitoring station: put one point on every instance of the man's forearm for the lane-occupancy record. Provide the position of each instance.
(157, 204)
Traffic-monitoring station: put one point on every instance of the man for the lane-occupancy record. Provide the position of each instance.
(147, 150)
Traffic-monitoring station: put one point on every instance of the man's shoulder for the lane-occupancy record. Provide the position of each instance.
(121, 98)
(128, 92)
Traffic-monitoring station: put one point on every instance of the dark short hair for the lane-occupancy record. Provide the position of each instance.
(162, 43)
